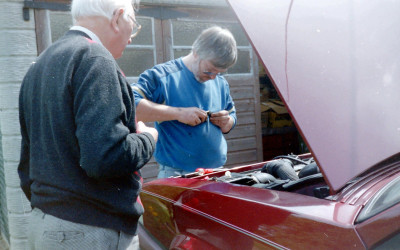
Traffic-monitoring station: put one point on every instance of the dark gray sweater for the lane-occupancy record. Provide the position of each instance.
(80, 153)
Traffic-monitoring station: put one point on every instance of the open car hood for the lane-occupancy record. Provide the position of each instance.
(336, 65)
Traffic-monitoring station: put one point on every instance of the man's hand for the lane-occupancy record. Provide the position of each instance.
(149, 111)
(223, 120)
(141, 127)
(192, 116)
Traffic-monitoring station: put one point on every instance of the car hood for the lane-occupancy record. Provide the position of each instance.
(336, 65)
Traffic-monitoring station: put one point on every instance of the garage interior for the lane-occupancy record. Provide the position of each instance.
(279, 134)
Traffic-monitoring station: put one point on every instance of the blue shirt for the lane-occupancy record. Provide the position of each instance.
(183, 146)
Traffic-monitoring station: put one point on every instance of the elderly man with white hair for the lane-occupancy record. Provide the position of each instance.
(82, 149)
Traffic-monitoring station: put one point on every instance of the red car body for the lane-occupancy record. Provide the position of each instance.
(336, 66)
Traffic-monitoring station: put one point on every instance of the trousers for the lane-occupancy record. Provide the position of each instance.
(47, 232)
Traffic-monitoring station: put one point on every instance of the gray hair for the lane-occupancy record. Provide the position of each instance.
(216, 45)
(105, 8)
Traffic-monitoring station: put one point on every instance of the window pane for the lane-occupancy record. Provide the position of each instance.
(237, 31)
(243, 63)
(60, 22)
(145, 37)
(181, 52)
(134, 61)
(135, 58)
(185, 32)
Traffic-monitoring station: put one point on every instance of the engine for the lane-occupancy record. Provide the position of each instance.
(285, 173)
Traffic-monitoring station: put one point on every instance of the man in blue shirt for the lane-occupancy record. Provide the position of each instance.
(191, 104)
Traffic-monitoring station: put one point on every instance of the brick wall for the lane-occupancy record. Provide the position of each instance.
(17, 51)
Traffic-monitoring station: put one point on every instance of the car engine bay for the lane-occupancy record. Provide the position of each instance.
(284, 173)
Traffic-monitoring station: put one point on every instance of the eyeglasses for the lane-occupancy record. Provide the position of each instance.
(209, 65)
(211, 73)
(214, 74)
(137, 27)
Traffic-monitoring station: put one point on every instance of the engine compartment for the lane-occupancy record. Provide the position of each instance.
(289, 173)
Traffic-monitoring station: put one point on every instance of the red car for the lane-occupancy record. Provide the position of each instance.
(336, 66)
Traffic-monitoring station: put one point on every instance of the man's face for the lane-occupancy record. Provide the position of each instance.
(125, 33)
(206, 71)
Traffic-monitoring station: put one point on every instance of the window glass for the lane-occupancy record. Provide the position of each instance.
(181, 52)
(237, 31)
(60, 22)
(185, 32)
(387, 197)
(145, 37)
(140, 54)
(242, 64)
(137, 57)
(135, 61)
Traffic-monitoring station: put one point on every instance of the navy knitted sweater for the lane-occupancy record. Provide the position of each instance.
(80, 153)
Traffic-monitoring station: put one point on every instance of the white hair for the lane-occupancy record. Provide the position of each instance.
(105, 8)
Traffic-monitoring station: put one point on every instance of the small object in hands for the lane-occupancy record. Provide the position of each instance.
(209, 113)
(202, 171)
(208, 170)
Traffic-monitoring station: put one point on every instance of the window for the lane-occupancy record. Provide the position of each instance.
(60, 22)
(138, 56)
(141, 53)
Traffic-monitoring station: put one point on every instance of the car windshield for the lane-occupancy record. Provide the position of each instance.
(386, 198)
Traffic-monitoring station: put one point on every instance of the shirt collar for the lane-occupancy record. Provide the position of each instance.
(92, 35)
